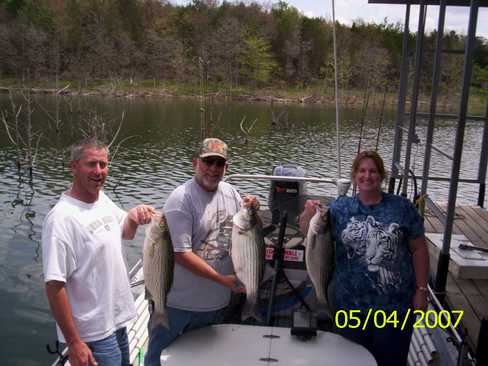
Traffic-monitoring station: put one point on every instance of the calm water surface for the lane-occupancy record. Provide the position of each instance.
(159, 139)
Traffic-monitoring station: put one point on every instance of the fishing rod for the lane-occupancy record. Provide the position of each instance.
(336, 86)
(364, 112)
(380, 123)
(342, 184)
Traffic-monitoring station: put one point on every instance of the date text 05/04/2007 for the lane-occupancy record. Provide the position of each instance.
(381, 319)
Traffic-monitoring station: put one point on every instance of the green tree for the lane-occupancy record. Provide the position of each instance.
(287, 40)
(227, 44)
(480, 56)
(257, 61)
(318, 34)
(480, 77)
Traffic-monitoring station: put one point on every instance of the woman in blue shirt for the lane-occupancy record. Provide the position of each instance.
(381, 261)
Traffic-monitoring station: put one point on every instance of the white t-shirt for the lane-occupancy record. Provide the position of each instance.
(201, 221)
(82, 246)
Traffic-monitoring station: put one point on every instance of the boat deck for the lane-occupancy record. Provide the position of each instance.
(470, 295)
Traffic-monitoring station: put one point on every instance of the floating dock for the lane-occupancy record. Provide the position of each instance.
(467, 283)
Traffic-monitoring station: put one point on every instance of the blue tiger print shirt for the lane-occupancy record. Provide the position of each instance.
(373, 262)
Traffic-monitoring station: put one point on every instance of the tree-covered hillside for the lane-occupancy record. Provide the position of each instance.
(233, 44)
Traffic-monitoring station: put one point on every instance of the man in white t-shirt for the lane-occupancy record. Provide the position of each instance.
(199, 215)
(86, 278)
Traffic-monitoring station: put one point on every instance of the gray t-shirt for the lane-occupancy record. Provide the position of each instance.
(201, 221)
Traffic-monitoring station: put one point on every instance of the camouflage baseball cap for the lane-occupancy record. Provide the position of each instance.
(213, 147)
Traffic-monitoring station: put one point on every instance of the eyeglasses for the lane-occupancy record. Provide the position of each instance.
(211, 160)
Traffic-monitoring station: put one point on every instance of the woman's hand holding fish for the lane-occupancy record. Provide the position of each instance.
(311, 206)
(250, 201)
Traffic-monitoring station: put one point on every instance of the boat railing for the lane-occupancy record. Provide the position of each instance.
(282, 178)
(134, 271)
(341, 183)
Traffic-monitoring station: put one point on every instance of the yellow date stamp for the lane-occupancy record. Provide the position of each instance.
(357, 319)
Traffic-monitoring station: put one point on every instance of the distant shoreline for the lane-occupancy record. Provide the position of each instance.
(308, 96)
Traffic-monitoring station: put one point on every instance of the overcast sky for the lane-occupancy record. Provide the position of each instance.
(349, 10)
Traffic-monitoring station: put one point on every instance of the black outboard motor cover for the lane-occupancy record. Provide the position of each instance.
(287, 196)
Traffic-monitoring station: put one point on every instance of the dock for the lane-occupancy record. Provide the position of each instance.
(468, 294)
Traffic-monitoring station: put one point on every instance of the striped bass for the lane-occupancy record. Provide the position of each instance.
(158, 265)
(319, 256)
(248, 257)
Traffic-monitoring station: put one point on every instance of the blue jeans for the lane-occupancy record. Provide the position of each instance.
(113, 350)
(389, 345)
(180, 321)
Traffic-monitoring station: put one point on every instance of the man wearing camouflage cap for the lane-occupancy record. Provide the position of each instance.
(199, 215)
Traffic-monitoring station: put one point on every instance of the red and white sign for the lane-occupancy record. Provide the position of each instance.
(291, 255)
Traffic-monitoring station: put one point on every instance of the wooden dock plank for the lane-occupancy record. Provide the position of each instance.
(481, 212)
(476, 225)
(478, 214)
(429, 227)
(482, 286)
(463, 228)
(435, 223)
(474, 297)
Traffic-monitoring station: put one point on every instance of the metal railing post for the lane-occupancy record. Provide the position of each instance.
(483, 162)
(481, 347)
(443, 264)
(402, 95)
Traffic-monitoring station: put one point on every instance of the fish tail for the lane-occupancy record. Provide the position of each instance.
(324, 314)
(251, 310)
(321, 300)
(323, 308)
(158, 318)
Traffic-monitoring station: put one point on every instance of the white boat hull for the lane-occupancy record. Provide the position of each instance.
(248, 345)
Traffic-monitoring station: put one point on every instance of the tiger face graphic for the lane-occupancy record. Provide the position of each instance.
(354, 238)
(382, 246)
(375, 244)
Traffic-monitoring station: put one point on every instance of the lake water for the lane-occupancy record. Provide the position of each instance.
(160, 138)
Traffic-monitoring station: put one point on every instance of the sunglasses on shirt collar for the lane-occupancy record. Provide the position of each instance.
(211, 160)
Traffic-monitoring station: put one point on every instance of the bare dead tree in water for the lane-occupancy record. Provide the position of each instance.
(54, 118)
(246, 130)
(12, 128)
(280, 119)
(96, 125)
(107, 130)
(18, 125)
(17, 121)
(55, 122)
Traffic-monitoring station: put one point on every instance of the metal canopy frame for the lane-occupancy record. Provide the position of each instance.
(481, 3)
(462, 118)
